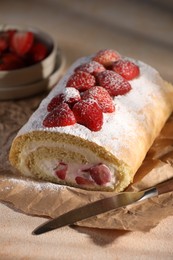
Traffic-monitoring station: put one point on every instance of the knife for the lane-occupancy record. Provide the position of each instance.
(103, 205)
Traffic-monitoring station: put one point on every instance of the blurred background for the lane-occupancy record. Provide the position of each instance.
(141, 29)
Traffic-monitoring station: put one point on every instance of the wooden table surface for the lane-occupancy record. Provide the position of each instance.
(139, 29)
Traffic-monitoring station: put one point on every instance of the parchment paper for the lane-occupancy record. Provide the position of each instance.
(50, 200)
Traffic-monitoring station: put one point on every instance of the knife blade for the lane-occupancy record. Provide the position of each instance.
(103, 205)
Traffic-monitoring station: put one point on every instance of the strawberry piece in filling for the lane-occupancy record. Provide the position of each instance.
(83, 181)
(100, 174)
(61, 170)
(93, 175)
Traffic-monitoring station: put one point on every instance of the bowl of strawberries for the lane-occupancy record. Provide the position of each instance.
(27, 56)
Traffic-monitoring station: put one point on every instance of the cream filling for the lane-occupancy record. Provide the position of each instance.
(74, 169)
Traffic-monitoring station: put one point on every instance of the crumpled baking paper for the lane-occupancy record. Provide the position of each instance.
(51, 200)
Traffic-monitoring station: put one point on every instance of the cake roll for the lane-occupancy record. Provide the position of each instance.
(94, 128)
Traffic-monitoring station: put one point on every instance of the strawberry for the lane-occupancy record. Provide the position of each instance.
(55, 101)
(126, 69)
(69, 96)
(88, 113)
(38, 52)
(100, 174)
(4, 41)
(106, 57)
(82, 181)
(10, 61)
(113, 83)
(81, 80)
(102, 97)
(61, 170)
(60, 116)
(22, 42)
(10, 33)
(91, 67)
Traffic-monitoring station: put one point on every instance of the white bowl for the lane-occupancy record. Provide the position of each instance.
(33, 73)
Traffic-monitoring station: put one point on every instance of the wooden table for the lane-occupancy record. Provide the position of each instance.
(139, 29)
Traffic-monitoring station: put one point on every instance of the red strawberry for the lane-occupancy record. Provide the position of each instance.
(82, 181)
(60, 116)
(21, 42)
(69, 96)
(55, 101)
(102, 97)
(113, 83)
(61, 170)
(106, 57)
(10, 61)
(38, 52)
(91, 67)
(4, 41)
(10, 33)
(126, 69)
(88, 113)
(100, 174)
(81, 80)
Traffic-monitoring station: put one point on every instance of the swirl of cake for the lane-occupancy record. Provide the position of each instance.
(95, 127)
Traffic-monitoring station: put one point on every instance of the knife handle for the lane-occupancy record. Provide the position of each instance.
(165, 186)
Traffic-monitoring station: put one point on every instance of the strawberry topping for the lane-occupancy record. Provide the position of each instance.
(113, 83)
(21, 42)
(91, 67)
(61, 170)
(100, 174)
(81, 80)
(126, 69)
(55, 101)
(60, 116)
(102, 97)
(106, 57)
(69, 96)
(84, 102)
(88, 113)
(82, 181)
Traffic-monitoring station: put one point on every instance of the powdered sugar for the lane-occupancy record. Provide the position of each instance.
(71, 94)
(32, 184)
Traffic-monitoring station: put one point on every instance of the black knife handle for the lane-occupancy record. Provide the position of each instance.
(165, 186)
